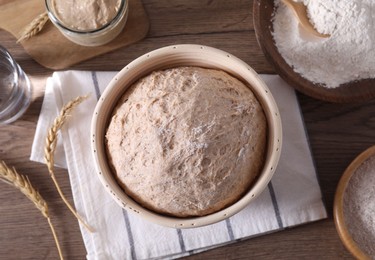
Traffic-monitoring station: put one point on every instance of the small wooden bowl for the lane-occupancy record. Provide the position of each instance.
(338, 207)
(356, 91)
(169, 57)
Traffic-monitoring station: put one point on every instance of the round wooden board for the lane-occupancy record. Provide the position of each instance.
(357, 91)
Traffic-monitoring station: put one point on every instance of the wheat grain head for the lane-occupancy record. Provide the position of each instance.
(34, 27)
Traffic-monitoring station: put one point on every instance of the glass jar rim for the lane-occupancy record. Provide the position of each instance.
(116, 18)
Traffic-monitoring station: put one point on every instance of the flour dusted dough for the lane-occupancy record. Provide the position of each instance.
(187, 141)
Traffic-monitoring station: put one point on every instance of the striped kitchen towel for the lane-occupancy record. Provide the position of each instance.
(293, 196)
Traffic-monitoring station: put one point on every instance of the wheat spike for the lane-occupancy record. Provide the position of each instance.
(22, 183)
(50, 147)
(34, 27)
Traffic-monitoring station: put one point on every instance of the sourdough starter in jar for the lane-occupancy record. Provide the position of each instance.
(88, 22)
(86, 15)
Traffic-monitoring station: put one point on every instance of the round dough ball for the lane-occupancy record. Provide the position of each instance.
(187, 141)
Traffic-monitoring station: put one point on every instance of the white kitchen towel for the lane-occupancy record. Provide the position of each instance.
(293, 196)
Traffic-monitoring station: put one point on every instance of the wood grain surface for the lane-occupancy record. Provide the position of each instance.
(337, 134)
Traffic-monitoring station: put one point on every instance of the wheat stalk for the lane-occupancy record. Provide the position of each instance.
(34, 27)
(50, 147)
(22, 183)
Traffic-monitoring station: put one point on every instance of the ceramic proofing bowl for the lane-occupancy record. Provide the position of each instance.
(175, 56)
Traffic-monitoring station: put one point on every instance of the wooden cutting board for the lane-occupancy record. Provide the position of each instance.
(50, 48)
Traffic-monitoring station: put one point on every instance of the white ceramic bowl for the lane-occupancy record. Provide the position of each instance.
(174, 56)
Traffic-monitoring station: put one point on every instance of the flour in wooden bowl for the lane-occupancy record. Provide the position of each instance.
(187, 141)
(346, 56)
(359, 207)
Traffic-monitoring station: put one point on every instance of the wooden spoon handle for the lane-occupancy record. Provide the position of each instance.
(300, 11)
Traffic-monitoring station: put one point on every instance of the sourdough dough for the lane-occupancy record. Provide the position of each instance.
(83, 15)
(187, 141)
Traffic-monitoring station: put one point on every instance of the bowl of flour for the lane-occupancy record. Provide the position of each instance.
(340, 68)
(354, 206)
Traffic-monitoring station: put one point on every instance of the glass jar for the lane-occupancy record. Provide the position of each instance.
(15, 89)
(92, 36)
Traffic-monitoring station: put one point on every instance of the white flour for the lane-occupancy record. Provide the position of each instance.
(348, 55)
(359, 206)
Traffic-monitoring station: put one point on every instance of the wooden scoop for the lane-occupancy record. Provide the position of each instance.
(299, 10)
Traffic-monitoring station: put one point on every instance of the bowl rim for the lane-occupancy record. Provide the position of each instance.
(158, 59)
(338, 204)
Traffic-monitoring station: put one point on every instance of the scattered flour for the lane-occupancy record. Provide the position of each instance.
(347, 55)
(359, 206)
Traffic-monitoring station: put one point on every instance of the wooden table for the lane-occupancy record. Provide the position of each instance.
(337, 133)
